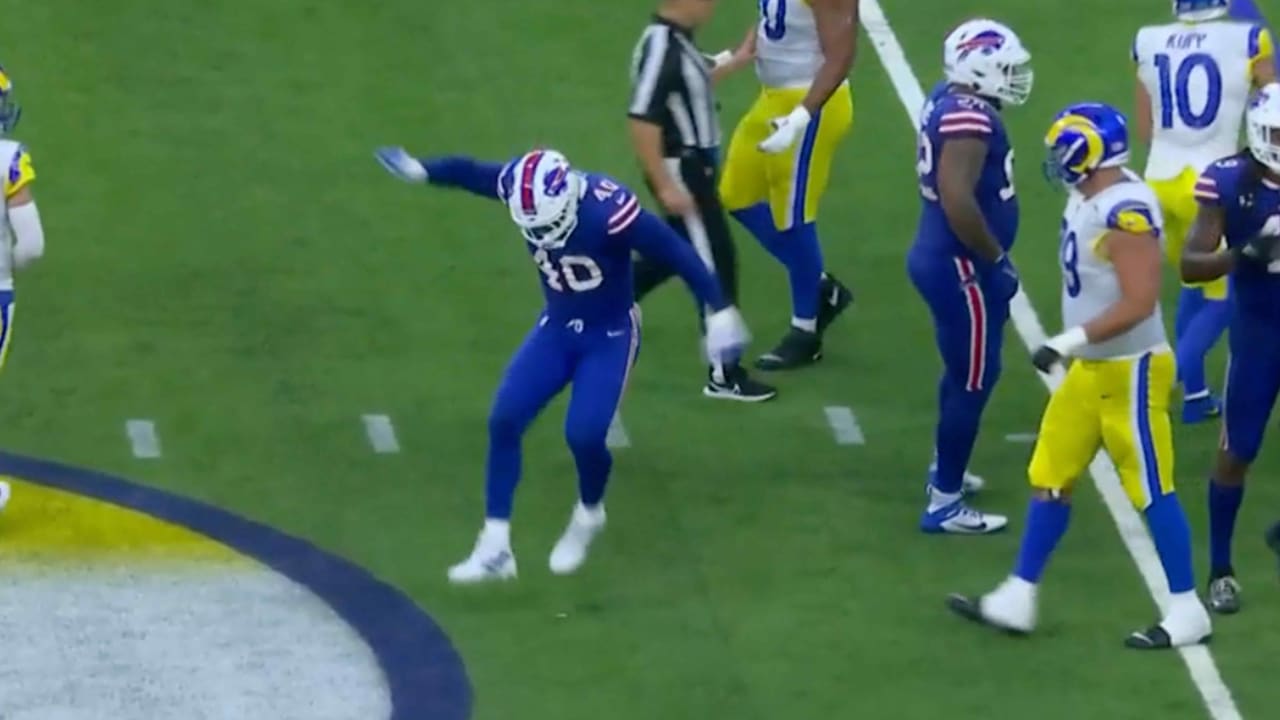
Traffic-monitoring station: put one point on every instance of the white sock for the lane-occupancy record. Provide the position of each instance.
(1184, 602)
(717, 371)
(939, 499)
(498, 531)
(591, 513)
(809, 325)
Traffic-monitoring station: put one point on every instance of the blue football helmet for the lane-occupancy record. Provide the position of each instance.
(9, 110)
(1198, 10)
(1083, 138)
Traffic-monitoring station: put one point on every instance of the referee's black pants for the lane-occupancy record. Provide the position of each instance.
(706, 227)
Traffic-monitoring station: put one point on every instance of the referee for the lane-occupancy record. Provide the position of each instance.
(676, 136)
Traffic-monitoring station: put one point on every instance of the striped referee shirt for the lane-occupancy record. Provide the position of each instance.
(671, 88)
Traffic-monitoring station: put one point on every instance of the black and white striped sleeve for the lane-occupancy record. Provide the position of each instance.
(651, 75)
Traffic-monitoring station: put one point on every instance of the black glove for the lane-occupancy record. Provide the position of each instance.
(1044, 358)
(1259, 250)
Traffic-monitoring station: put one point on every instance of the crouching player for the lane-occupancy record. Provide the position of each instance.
(1240, 200)
(580, 229)
(1116, 394)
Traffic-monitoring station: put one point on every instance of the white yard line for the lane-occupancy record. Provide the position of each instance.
(381, 434)
(1023, 438)
(844, 425)
(617, 436)
(143, 439)
(1204, 672)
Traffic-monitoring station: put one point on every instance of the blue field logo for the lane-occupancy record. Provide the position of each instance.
(126, 602)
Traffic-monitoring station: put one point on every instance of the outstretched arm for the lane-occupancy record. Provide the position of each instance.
(463, 173)
(655, 239)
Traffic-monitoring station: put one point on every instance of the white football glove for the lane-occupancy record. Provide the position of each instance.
(727, 334)
(400, 163)
(786, 130)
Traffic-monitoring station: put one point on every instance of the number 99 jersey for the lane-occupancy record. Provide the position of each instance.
(1089, 282)
(1199, 77)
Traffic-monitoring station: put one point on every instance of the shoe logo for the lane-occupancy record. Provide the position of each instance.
(495, 563)
(835, 296)
(616, 333)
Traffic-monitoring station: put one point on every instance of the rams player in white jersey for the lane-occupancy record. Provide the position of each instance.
(1195, 76)
(1116, 392)
(21, 234)
(779, 157)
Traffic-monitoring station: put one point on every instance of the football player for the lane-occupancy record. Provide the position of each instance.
(1239, 200)
(1195, 76)
(959, 259)
(580, 229)
(1116, 392)
(779, 158)
(21, 231)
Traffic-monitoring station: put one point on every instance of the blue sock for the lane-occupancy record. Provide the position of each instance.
(1046, 524)
(1190, 299)
(804, 266)
(1203, 329)
(502, 472)
(594, 463)
(1172, 537)
(758, 220)
(1224, 505)
(959, 417)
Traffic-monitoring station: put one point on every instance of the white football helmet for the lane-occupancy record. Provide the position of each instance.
(1201, 10)
(1262, 122)
(989, 57)
(542, 194)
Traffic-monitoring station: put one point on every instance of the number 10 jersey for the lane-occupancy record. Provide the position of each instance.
(1199, 77)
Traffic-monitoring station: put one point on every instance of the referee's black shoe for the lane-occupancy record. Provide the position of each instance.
(797, 349)
(737, 385)
(833, 298)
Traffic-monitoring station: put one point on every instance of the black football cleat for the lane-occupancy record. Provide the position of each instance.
(1273, 539)
(798, 348)
(738, 385)
(1153, 638)
(833, 298)
(970, 608)
(1224, 595)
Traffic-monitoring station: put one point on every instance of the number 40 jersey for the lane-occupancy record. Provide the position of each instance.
(956, 114)
(1199, 77)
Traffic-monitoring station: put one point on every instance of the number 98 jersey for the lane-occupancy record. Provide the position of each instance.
(1199, 77)
(1089, 282)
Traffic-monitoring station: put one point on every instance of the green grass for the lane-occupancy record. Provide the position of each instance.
(224, 257)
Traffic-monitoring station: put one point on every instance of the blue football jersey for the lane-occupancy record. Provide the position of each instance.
(589, 278)
(950, 114)
(1251, 207)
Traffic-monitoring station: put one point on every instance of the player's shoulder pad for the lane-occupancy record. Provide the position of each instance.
(612, 202)
(1220, 180)
(1133, 213)
(20, 171)
(965, 115)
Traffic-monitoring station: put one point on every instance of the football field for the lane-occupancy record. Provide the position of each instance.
(309, 346)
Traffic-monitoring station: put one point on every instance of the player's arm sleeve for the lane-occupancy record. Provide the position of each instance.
(1210, 188)
(654, 239)
(479, 178)
(1134, 217)
(24, 217)
(958, 121)
(20, 174)
(651, 83)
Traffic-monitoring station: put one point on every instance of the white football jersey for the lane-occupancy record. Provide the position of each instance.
(1199, 78)
(1089, 282)
(18, 174)
(788, 54)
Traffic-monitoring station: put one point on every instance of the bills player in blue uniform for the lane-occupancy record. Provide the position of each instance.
(1239, 199)
(959, 261)
(580, 229)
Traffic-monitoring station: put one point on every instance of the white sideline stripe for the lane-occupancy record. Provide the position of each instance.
(617, 436)
(143, 439)
(381, 434)
(1026, 438)
(1204, 672)
(844, 424)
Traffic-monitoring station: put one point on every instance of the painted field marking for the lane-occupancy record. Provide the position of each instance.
(617, 436)
(381, 434)
(1199, 661)
(143, 439)
(844, 425)
(1021, 438)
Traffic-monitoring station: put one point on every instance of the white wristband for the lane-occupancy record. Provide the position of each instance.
(1070, 342)
(801, 115)
(721, 58)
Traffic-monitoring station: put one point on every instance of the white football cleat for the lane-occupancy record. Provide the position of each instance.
(1010, 607)
(571, 549)
(490, 560)
(957, 518)
(973, 483)
(1187, 623)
